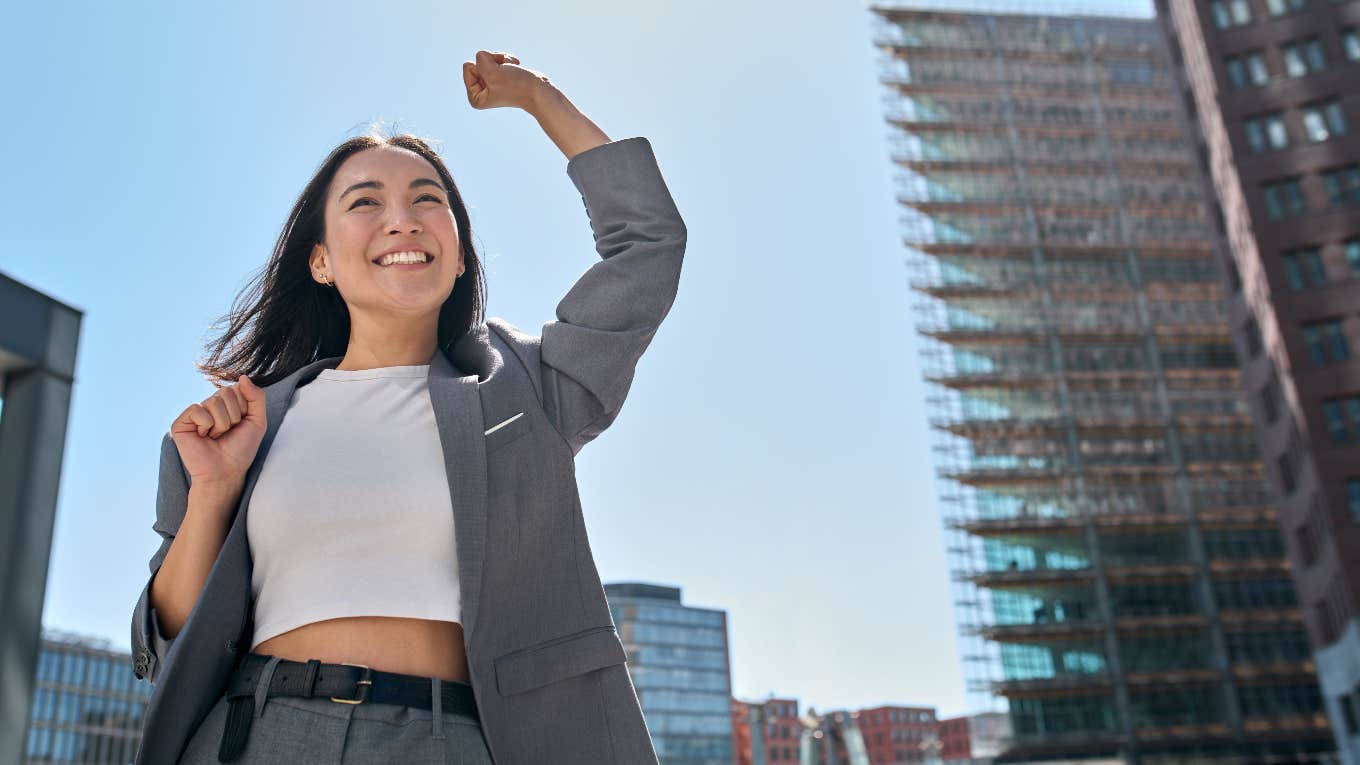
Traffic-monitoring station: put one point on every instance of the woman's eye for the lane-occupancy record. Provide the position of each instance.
(418, 199)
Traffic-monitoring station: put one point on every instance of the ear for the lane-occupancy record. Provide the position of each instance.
(317, 261)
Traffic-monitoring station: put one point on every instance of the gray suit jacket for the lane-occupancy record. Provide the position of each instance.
(544, 655)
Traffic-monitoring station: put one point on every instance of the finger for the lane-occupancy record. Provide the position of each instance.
(473, 79)
(242, 403)
(200, 417)
(228, 396)
(221, 420)
(254, 409)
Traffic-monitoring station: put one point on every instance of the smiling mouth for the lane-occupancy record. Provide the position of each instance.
(378, 261)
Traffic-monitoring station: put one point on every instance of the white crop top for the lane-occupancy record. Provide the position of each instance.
(351, 514)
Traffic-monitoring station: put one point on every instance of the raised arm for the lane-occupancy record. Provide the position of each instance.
(587, 356)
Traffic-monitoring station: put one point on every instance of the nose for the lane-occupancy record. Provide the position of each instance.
(406, 220)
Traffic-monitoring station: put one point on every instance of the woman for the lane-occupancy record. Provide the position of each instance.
(398, 569)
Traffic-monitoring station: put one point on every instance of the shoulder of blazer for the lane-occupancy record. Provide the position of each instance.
(524, 347)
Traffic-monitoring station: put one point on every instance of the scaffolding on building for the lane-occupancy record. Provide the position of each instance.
(1117, 569)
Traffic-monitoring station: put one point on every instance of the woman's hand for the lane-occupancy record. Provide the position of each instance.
(218, 439)
(497, 79)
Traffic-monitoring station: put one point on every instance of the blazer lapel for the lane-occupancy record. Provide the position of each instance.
(458, 414)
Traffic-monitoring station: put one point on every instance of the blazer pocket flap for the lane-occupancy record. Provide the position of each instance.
(558, 659)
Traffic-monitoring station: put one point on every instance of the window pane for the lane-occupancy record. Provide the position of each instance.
(1291, 271)
(1293, 62)
(1312, 266)
(1220, 11)
(1256, 64)
(1275, 129)
(1314, 126)
(1313, 339)
(1241, 11)
(1353, 254)
(1255, 138)
(1336, 118)
(1336, 341)
(1313, 52)
(1351, 42)
(1336, 422)
(1273, 208)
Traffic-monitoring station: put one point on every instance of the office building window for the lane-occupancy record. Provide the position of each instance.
(1281, 7)
(1248, 69)
(1303, 268)
(1326, 341)
(1342, 185)
(1230, 13)
(1303, 57)
(1350, 42)
(1353, 497)
(1284, 198)
(1352, 249)
(1324, 120)
(1343, 418)
(1267, 132)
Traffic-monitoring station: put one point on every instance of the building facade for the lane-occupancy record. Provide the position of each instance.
(1120, 578)
(679, 661)
(766, 732)
(1272, 90)
(87, 705)
(897, 735)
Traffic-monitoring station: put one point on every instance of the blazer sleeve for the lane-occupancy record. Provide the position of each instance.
(149, 646)
(587, 356)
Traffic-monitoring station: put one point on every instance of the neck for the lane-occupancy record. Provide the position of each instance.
(406, 344)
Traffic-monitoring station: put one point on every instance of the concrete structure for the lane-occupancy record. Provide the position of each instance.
(38, 340)
(1120, 577)
(679, 661)
(87, 705)
(1272, 89)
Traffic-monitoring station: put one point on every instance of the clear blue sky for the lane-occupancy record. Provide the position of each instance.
(772, 458)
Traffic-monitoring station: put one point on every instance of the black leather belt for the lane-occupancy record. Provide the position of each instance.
(342, 683)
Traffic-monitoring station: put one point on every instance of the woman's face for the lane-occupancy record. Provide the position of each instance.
(388, 199)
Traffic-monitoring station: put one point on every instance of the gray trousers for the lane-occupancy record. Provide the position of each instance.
(318, 731)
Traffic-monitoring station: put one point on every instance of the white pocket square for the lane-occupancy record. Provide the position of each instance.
(498, 426)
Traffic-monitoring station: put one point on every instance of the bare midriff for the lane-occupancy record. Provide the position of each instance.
(422, 647)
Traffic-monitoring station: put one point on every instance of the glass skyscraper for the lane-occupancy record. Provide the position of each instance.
(87, 705)
(678, 659)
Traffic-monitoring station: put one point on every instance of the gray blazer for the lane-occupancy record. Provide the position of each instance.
(544, 656)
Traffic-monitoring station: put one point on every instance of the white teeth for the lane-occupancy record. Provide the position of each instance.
(402, 257)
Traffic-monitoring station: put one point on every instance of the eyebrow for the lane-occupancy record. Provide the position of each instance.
(378, 185)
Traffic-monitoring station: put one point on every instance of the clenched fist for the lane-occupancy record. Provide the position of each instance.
(497, 79)
(218, 438)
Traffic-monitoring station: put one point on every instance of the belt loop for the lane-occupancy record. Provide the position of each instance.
(266, 679)
(309, 680)
(437, 707)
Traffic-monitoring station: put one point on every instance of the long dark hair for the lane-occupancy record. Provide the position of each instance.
(284, 320)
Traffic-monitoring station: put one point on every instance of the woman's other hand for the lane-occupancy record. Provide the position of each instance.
(218, 438)
(497, 79)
